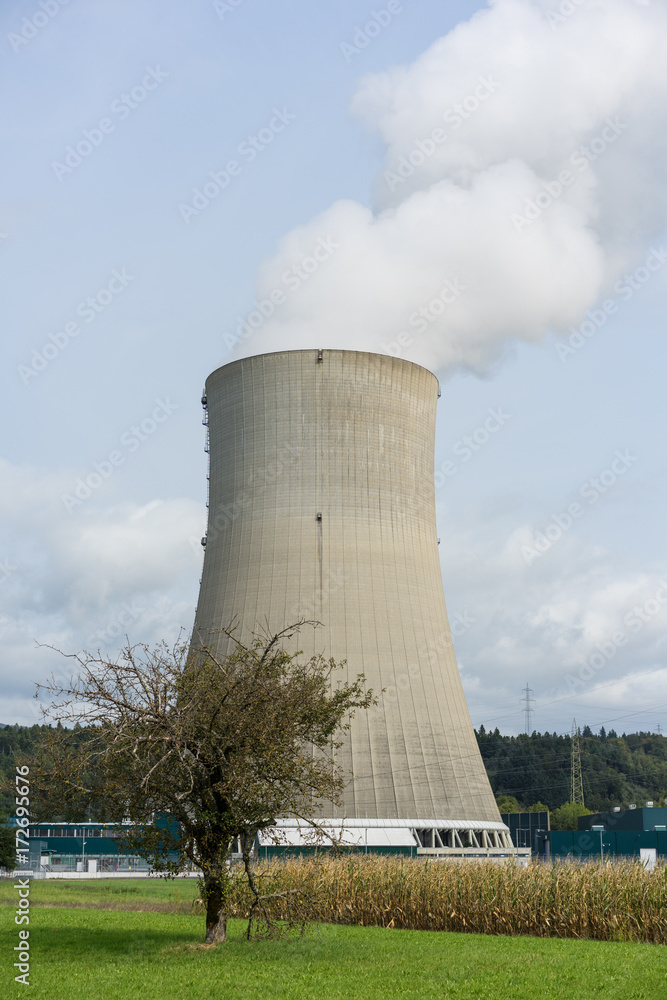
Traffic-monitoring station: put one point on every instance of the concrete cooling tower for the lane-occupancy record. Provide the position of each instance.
(322, 506)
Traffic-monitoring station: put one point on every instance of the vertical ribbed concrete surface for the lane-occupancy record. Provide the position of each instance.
(322, 506)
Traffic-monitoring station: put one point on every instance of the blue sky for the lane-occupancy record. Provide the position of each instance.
(159, 96)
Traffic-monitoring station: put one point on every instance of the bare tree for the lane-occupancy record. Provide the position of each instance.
(199, 752)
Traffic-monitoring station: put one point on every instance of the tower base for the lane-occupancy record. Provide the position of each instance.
(461, 839)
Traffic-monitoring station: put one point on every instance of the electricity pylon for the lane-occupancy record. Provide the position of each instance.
(577, 781)
(528, 703)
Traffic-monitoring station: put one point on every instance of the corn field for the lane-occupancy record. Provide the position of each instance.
(614, 902)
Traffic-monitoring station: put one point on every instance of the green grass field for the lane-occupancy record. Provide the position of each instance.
(158, 894)
(80, 951)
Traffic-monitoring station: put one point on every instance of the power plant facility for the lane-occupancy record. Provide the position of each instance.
(322, 507)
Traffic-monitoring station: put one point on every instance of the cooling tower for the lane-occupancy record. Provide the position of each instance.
(322, 506)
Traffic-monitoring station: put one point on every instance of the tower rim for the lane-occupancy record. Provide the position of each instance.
(336, 350)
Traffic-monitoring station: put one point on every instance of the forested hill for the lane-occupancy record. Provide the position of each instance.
(617, 770)
(13, 740)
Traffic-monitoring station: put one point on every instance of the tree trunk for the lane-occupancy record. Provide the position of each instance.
(216, 916)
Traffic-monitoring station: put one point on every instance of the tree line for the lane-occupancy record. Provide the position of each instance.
(536, 768)
(617, 770)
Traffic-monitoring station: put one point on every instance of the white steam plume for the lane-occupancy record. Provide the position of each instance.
(524, 173)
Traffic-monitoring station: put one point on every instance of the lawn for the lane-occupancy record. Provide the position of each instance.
(157, 894)
(86, 953)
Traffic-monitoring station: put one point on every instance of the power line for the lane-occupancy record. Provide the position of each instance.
(607, 757)
(555, 760)
(581, 694)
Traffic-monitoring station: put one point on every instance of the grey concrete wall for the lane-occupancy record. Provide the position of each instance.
(350, 438)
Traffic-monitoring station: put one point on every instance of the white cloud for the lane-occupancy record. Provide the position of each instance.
(87, 578)
(581, 625)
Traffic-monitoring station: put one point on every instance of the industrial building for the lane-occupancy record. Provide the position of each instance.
(322, 506)
(530, 829)
(622, 833)
(83, 847)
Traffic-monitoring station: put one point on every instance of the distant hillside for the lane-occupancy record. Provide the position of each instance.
(12, 740)
(617, 770)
